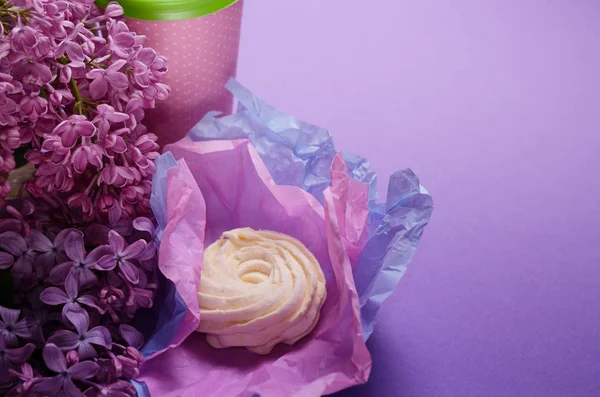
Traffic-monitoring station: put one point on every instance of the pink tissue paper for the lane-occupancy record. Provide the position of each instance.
(222, 185)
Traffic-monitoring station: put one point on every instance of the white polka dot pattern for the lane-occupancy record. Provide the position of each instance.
(202, 55)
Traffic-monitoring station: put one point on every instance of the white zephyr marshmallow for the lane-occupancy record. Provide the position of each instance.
(258, 289)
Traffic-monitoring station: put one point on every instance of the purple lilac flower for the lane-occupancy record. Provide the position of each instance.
(105, 116)
(118, 389)
(105, 78)
(36, 320)
(132, 336)
(119, 175)
(112, 296)
(72, 49)
(71, 300)
(97, 234)
(30, 65)
(33, 106)
(10, 356)
(114, 144)
(125, 367)
(134, 354)
(23, 37)
(10, 225)
(87, 154)
(83, 339)
(82, 201)
(80, 265)
(51, 252)
(72, 358)
(6, 260)
(73, 128)
(55, 178)
(56, 362)
(122, 43)
(144, 224)
(15, 245)
(139, 296)
(113, 10)
(11, 327)
(27, 377)
(122, 256)
(10, 138)
(7, 162)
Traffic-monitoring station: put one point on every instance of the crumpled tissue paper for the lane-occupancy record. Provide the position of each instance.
(267, 170)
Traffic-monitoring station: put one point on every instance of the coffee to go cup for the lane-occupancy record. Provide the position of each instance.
(200, 39)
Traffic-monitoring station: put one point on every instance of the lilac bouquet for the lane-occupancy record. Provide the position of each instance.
(70, 331)
(74, 83)
(77, 245)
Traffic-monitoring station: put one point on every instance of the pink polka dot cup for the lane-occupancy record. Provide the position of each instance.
(200, 39)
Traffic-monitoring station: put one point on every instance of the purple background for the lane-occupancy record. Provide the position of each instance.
(496, 105)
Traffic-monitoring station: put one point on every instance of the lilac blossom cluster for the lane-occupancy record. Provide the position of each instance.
(74, 83)
(77, 254)
(73, 298)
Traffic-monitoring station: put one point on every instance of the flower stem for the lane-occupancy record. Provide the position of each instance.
(78, 107)
(76, 92)
(91, 185)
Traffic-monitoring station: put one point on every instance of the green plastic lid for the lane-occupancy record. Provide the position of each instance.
(168, 10)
